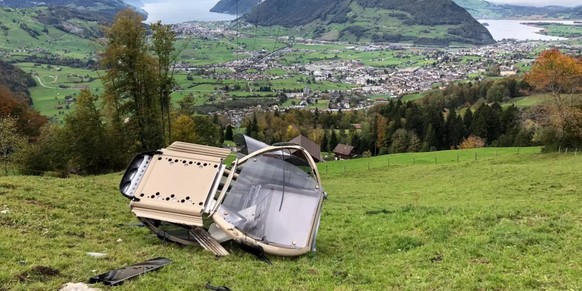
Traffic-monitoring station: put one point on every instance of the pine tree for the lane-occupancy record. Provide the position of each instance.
(324, 146)
(228, 132)
(430, 140)
(454, 126)
(467, 121)
(333, 140)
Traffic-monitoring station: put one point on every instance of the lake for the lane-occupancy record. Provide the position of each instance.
(177, 11)
(501, 29)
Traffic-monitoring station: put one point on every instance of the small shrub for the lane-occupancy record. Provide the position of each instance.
(472, 142)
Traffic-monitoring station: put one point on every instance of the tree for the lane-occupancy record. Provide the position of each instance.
(333, 141)
(132, 82)
(558, 74)
(228, 132)
(472, 142)
(430, 139)
(85, 137)
(324, 145)
(555, 72)
(163, 39)
(183, 129)
(205, 131)
(11, 141)
(467, 121)
(454, 127)
(400, 141)
(415, 143)
(48, 153)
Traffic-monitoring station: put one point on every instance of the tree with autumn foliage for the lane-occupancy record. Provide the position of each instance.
(561, 75)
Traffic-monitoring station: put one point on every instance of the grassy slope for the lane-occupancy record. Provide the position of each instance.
(511, 222)
(54, 42)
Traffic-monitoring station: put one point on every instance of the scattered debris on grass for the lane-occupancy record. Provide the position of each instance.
(78, 287)
(118, 276)
(217, 288)
(96, 255)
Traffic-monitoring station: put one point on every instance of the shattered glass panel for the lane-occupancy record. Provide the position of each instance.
(273, 201)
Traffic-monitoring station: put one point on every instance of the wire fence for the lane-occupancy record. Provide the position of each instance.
(431, 158)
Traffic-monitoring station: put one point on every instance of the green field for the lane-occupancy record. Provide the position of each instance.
(510, 221)
(54, 83)
(561, 30)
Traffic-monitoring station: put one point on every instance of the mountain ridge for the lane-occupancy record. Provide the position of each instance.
(479, 9)
(102, 11)
(440, 22)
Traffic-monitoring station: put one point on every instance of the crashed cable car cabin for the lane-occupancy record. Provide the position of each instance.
(269, 198)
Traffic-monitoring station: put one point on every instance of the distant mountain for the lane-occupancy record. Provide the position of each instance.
(231, 7)
(481, 9)
(96, 10)
(135, 3)
(436, 22)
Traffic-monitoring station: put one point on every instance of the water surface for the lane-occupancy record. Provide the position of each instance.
(177, 11)
(516, 29)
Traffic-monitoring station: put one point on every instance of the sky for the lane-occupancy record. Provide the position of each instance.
(539, 2)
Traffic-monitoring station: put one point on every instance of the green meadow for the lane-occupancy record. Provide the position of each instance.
(54, 83)
(501, 221)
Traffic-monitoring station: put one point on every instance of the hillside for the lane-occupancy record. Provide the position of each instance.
(235, 7)
(31, 35)
(511, 222)
(92, 10)
(438, 22)
(16, 80)
(481, 9)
